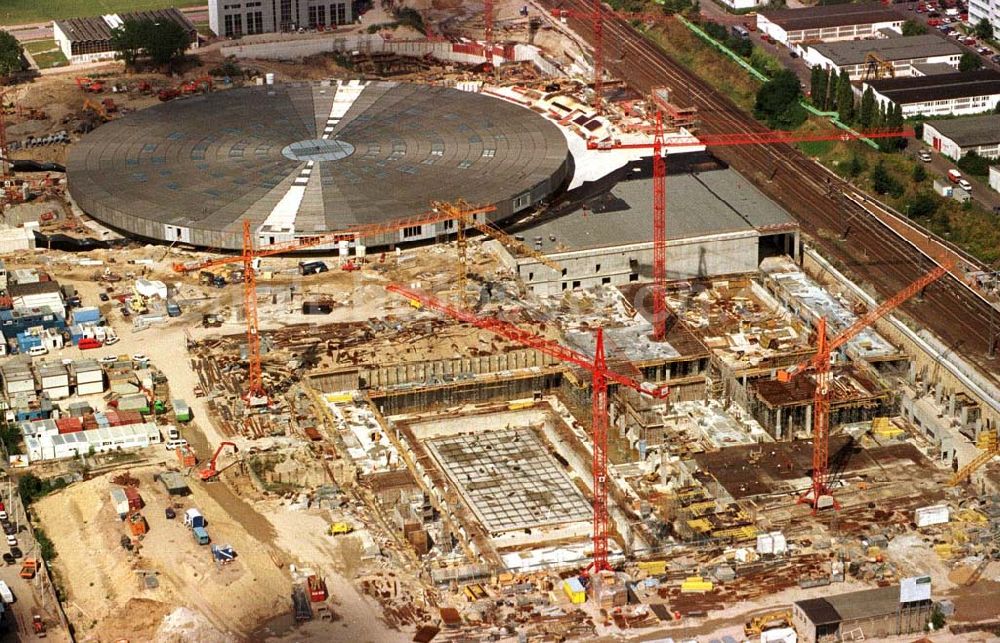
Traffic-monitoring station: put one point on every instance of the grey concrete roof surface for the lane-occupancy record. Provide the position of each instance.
(853, 52)
(206, 162)
(970, 131)
(833, 15)
(699, 204)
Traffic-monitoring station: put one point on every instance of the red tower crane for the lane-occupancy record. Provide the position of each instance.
(820, 364)
(601, 378)
(660, 313)
(488, 33)
(256, 394)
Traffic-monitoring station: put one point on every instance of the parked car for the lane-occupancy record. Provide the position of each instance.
(793, 54)
(104, 297)
(954, 176)
(924, 156)
(89, 343)
(996, 59)
(112, 340)
(8, 559)
(16, 552)
(35, 351)
(9, 529)
(108, 359)
(170, 513)
(965, 185)
(139, 357)
(3, 515)
(11, 540)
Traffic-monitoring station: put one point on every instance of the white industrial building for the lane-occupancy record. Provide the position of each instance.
(43, 441)
(17, 378)
(742, 5)
(957, 137)
(236, 18)
(956, 94)
(995, 177)
(829, 23)
(85, 40)
(717, 224)
(903, 53)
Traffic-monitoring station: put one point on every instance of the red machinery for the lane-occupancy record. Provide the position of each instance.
(488, 33)
(602, 377)
(211, 472)
(90, 85)
(820, 364)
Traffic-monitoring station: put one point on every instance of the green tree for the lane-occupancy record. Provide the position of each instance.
(974, 164)
(984, 30)
(10, 54)
(885, 183)
(845, 98)
(831, 91)
(919, 174)
(855, 166)
(922, 205)
(970, 62)
(866, 114)
(778, 101)
(817, 86)
(163, 43)
(893, 123)
(913, 28)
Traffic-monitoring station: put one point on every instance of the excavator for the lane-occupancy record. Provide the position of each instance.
(210, 472)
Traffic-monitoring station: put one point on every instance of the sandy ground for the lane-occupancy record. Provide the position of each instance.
(101, 580)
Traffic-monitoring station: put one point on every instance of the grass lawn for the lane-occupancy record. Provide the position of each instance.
(38, 46)
(50, 59)
(16, 12)
(707, 62)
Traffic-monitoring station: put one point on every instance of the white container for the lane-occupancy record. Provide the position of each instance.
(933, 515)
(765, 544)
(268, 78)
(780, 544)
(5, 593)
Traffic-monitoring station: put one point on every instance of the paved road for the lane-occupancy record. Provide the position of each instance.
(30, 595)
(939, 166)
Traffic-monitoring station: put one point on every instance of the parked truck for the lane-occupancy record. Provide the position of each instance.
(173, 310)
(193, 518)
(200, 535)
(5, 593)
(312, 267)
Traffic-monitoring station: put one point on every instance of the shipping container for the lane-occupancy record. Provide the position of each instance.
(311, 267)
(134, 499)
(119, 501)
(573, 588)
(181, 410)
(87, 315)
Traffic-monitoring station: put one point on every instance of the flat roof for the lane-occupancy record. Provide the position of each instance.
(835, 15)
(918, 89)
(819, 611)
(853, 52)
(698, 204)
(866, 603)
(971, 131)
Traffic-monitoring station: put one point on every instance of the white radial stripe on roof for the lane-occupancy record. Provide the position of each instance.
(287, 209)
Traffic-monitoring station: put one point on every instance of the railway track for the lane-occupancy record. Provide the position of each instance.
(837, 226)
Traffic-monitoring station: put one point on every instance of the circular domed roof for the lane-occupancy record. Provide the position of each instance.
(304, 159)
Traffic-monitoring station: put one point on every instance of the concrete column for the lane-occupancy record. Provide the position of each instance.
(809, 420)
(777, 424)
(952, 403)
(911, 375)
(938, 393)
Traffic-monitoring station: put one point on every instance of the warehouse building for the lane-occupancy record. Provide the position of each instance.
(903, 53)
(830, 23)
(866, 614)
(956, 138)
(718, 224)
(84, 40)
(55, 446)
(955, 94)
(237, 18)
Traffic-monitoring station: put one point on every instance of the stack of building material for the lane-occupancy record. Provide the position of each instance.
(608, 589)
(69, 425)
(79, 409)
(89, 377)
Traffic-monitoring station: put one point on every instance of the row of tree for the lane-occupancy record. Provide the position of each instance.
(831, 92)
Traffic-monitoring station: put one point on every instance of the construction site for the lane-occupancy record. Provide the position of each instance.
(477, 336)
